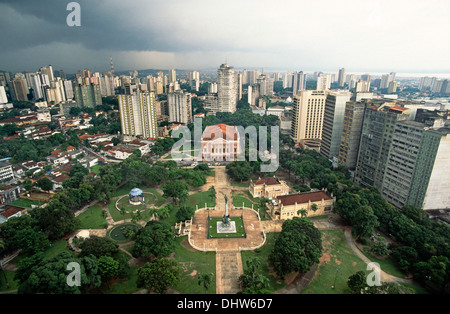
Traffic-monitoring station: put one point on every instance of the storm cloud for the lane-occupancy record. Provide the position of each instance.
(375, 35)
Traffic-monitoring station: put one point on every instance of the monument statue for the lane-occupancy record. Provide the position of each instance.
(226, 217)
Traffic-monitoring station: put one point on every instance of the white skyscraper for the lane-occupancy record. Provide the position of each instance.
(226, 89)
(341, 78)
(3, 98)
(172, 76)
(323, 82)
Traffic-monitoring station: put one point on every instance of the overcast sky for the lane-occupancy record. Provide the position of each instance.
(360, 35)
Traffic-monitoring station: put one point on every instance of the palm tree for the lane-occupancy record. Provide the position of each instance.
(253, 264)
(205, 280)
(302, 213)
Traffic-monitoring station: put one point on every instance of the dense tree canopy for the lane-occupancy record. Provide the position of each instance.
(297, 248)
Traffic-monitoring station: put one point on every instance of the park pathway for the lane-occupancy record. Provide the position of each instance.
(228, 261)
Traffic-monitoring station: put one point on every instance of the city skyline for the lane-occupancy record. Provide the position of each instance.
(373, 36)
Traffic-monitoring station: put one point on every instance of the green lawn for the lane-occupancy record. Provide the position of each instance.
(95, 169)
(92, 218)
(23, 202)
(263, 255)
(338, 263)
(194, 263)
(241, 184)
(212, 228)
(246, 198)
(200, 199)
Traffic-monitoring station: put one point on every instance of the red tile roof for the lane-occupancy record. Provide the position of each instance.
(302, 198)
(215, 131)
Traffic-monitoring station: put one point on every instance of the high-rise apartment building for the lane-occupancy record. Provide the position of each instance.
(172, 76)
(299, 82)
(48, 70)
(194, 80)
(20, 88)
(3, 97)
(351, 133)
(323, 82)
(333, 122)
(380, 119)
(138, 114)
(392, 87)
(417, 171)
(180, 107)
(307, 115)
(226, 89)
(342, 77)
(87, 95)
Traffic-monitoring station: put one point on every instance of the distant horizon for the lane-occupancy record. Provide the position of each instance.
(418, 74)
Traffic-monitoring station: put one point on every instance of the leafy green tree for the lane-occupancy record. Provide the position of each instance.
(239, 170)
(37, 275)
(98, 246)
(357, 282)
(178, 190)
(45, 184)
(159, 275)
(406, 257)
(379, 247)
(364, 221)
(155, 239)
(297, 248)
(108, 267)
(184, 212)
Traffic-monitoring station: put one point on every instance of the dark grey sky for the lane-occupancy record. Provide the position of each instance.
(360, 35)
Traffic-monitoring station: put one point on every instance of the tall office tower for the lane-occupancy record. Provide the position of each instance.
(172, 76)
(48, 70)
(3, 97)
(417, 171)
(180, 107)
(323, 82)
(333, 122)
(362, 86)
(138, 114)
(392, 87)
(351, 133)
(226, 88)
(68, 89)
(299, 82)
(307, 115)
(194, 80)
(87, 95)
(342, 77)
(20, 89)
(365, 77)
(378, 128)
